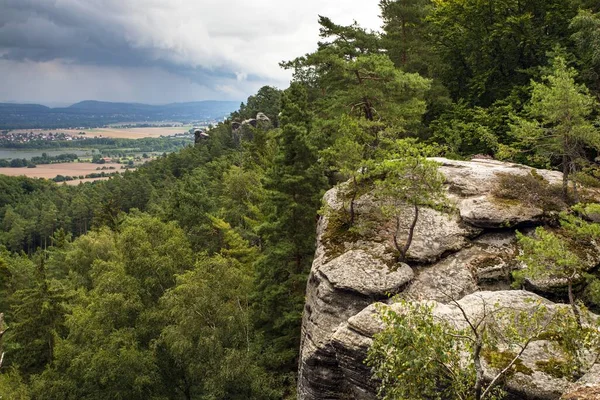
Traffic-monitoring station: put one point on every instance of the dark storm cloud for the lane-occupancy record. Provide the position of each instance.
(225, 46)
(66, 30)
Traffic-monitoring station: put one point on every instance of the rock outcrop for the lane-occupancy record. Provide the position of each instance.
(244, 130)
(200, 135)
(354, 337)
(454, 254)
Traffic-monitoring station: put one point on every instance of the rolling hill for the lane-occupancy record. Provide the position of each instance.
(92, 113)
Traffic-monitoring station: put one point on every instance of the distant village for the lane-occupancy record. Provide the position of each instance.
(25, 137)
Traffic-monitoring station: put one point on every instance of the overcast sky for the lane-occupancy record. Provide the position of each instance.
(59, 52)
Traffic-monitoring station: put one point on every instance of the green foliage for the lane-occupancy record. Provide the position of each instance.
(351, 155)
(467, 131)
(589, 211)
(40, 312)
(294, 183)
(208, 306)
(13, 387)
(592, 291)
(547, 256)
(404, 35)
(586, 27)
(209, 331)
(153, 253)
(578, 229)
(353, 77)
(267, 100)
(416, 357)
(419, 355)
(489, 49)
(559, 124)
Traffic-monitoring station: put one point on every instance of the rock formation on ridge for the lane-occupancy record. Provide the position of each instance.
(453, 254)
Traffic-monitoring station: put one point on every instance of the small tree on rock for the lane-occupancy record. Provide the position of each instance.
(550, 255)
(410, 181)
(559, 124)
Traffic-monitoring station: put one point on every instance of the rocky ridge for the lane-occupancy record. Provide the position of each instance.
(463, 254)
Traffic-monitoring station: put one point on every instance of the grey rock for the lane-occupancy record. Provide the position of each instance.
(436, 233)
(453, 255)
(486, 263)
(471, 184)
(200, 135)
(353, 339)
(361, 272)
(262, 117)
(486, 212)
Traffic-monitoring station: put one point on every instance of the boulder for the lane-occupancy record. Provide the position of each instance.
(471, 185)
(263, 122)
(361, 272)
(436, 233)
(486, 263)
(354, 337)
(338, 288)
(200, 135)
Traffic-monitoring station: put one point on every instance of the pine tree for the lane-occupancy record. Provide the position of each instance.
(559, 124)
(404, 33)
(38, 314)
(295, 185)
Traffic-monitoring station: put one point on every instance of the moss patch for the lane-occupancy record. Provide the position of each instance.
(555, 367)
(338, 233)
(500, 359)
(530, 190)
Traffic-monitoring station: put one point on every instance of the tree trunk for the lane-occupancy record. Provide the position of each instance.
(478, 368)
(565, 181)
(411, 232)
(1, 334)
(396, 244)
(575, 193)
(353, 199)
(574, 307)
(404, 51)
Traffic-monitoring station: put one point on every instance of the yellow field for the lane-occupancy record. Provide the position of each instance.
(132, 133)
(122, 133)
(50, 171)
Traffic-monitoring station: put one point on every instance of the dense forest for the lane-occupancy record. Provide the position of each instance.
(185, 279)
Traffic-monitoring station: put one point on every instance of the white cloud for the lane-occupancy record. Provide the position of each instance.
(220, 45)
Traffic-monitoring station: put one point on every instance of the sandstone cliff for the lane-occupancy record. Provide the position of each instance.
(466, 251)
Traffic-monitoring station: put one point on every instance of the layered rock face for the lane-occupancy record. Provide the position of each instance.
(464, 253)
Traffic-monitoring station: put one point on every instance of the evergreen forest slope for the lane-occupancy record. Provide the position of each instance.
(186, 278)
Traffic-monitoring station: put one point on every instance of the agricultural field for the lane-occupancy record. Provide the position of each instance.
(118, 133)
(50, 171)
(133, 133)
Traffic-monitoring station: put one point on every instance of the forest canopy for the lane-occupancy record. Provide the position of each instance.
(185, 279)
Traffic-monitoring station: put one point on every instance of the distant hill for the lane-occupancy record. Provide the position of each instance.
(92, 113)
(23, 108)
